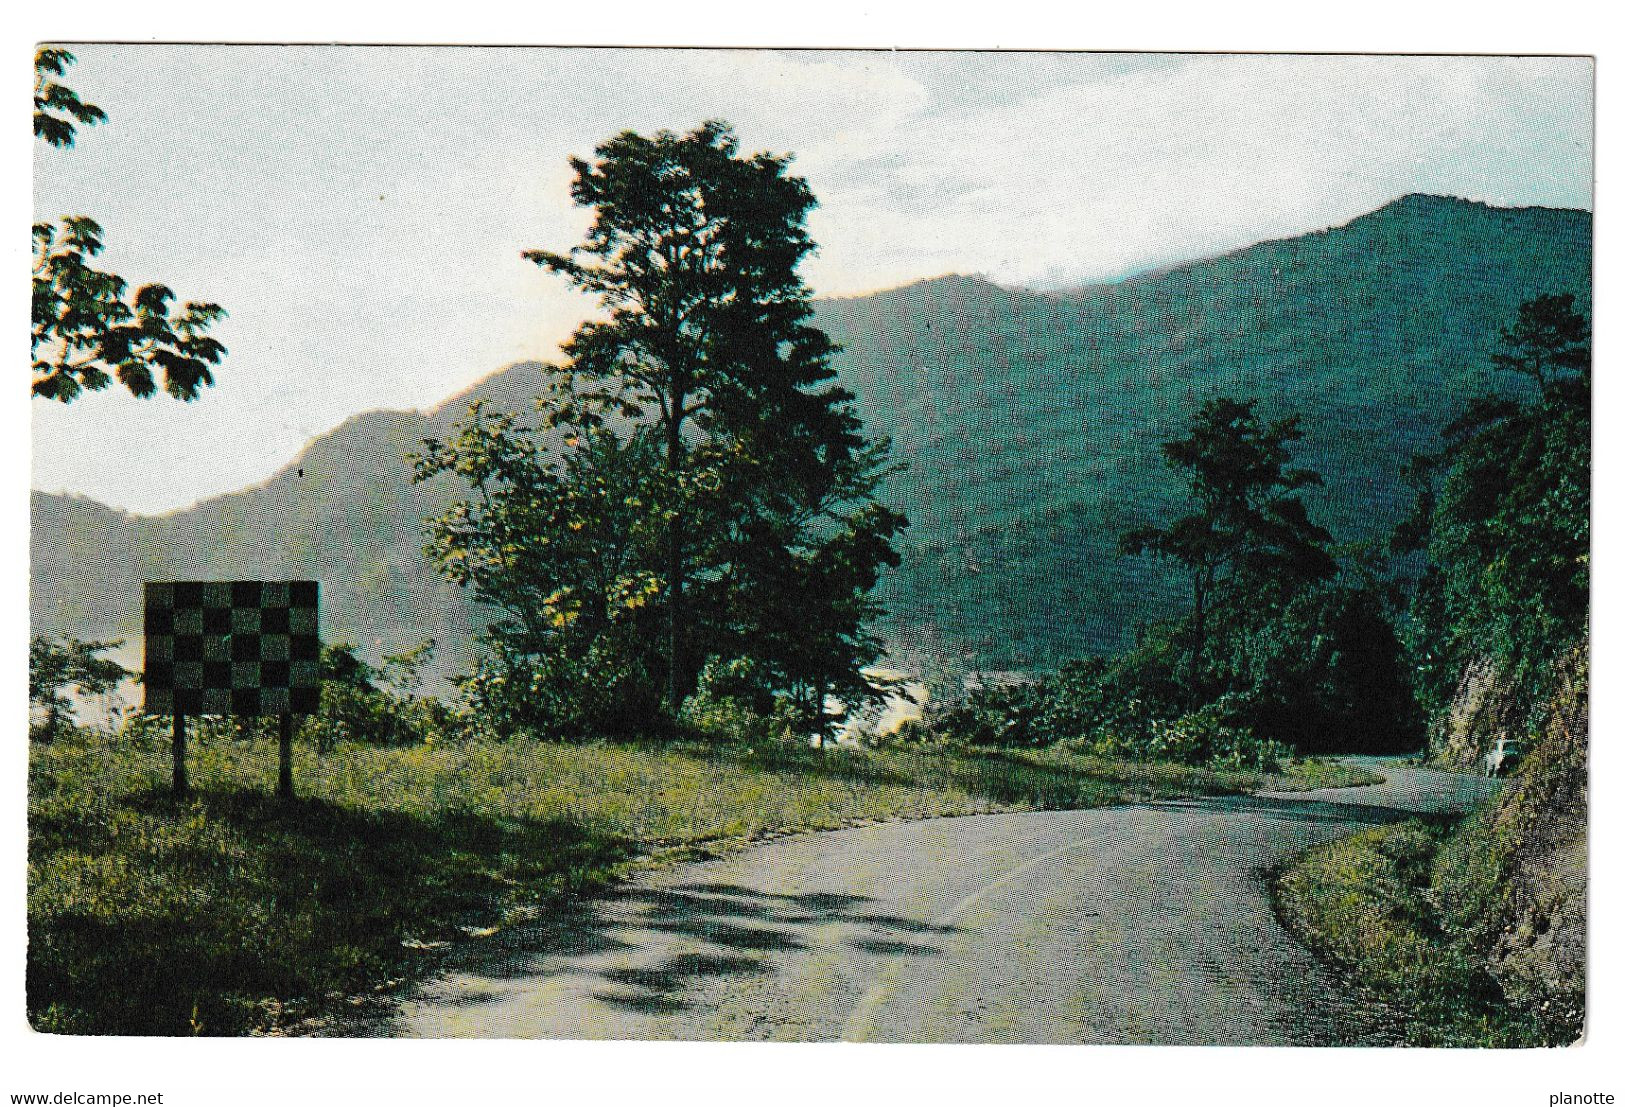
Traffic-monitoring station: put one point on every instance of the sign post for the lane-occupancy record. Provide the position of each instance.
(245, 648)
(177, 747)
(284, 780)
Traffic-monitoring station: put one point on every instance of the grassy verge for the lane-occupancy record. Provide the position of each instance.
(1161, 776)
(228, 912)
(1364, 903)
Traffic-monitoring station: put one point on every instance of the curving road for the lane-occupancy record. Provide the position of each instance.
(1144, 924)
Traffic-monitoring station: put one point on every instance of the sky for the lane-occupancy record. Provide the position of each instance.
(360, 211)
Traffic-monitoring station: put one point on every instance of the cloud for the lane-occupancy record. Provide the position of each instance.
(361, 211)
(1088, 180)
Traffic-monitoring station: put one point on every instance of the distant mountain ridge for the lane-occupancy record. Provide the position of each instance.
(1029, 424)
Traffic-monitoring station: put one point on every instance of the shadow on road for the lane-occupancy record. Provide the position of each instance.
(741, 926)
(648, 950)
(1317, 810)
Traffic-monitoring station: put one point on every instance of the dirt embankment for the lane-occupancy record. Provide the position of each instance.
(1513, 879)
(1479, 712)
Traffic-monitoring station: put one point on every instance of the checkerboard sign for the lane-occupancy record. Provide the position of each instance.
(241, 647)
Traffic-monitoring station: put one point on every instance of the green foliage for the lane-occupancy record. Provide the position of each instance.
(357, 706)
(379, 717)
(1549, 339)
(997, 716)
(597, 690)
(1249, 544)
(1207, 736)
(1363, 902)
(1504, 515)
(342, 668)
(1270, 658)
(51, 98)
(1327, 675)
(703, 477)
(764, 479)
(1084, 713)
(1115, 699)
(404, 671)
(557, 542)
(232, 911)
(86, 330)
(56, 667)
(734, 702)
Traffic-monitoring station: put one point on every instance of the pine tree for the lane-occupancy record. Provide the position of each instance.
(1250, 539)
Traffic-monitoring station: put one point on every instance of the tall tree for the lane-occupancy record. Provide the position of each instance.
(1548, 339)
(1503, 513)
(86, 328)
(705, 340)
(1250, 532)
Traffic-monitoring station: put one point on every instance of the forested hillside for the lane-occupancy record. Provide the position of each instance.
(1029, 424)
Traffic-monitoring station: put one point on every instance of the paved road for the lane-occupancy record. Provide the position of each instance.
(1143, 924)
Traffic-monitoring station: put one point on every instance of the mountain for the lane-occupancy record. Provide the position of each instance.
(1028, 423)
(344, 512)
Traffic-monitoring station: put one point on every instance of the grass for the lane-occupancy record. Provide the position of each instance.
(230, 913)
(1363, 903)
(1299, 776)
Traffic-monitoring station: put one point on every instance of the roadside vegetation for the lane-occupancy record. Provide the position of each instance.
(1288, 645)
(1367, 904)
(1478, 932)
(1473, 930)
(678, 550)
(230, 912)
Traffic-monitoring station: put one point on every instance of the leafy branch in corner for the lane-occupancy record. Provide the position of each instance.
(86, 329)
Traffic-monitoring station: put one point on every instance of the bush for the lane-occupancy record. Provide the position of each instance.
(1327, 675)
(1239, 748)
(1006, 716)
(733, 704)
(602, 694)
(1203, 737)
(378, 717)
(355, 707)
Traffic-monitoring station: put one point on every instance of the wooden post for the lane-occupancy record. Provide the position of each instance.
(178, 749)
(284, 784)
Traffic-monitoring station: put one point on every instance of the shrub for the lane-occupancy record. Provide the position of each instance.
(734, 704)
(1328, 675)
(604, 693)
(1005, 716)
(380, 718)
(1208, 736)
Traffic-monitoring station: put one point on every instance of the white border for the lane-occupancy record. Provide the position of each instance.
(315, 1072)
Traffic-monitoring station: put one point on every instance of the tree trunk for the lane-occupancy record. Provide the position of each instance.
(675, 567)
(284, 783)
(1198, 636)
